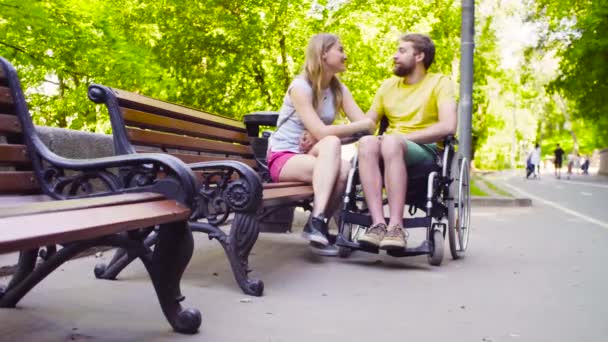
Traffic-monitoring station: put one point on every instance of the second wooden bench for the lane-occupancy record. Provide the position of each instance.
(223, 157)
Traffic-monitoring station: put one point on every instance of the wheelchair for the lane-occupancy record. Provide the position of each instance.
(439, 188)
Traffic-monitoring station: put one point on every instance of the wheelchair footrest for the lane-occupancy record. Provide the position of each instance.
(423, 248)
(366, 220)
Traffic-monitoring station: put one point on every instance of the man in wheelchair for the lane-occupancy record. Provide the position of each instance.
(420, 109)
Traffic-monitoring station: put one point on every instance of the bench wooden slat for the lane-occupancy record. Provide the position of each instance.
(81, 203)
(14, 154)
(283, 185)
(5, 96)
(151, 138)
(161, 123)
(9, 124)
(12, 182)
(189, 158)
(140, 102)
(281, 196)
(31, 231)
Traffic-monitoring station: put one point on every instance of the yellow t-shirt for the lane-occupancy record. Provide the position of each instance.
(413, 107)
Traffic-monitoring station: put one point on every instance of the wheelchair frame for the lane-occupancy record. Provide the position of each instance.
(446, 205)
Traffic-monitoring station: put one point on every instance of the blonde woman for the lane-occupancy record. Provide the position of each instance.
(306, 146)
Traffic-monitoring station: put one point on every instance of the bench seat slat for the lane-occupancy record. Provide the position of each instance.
(140, 102)
(9, 124)
(12, 182)
(31, 231)
(283, 185)
(281, 196)
(161, 123)
(13, 154)
(81, 203)
(150, 138)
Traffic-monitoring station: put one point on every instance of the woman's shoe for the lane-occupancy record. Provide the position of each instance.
(328, 251)
(316, 230)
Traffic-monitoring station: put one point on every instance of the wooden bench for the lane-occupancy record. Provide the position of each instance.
(220, 152)
(80, 204)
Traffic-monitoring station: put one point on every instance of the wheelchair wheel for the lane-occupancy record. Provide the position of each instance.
(436, 256)
(459, 210)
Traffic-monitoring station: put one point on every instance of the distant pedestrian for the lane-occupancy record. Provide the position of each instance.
(535, 160)
(585, 165)
(573, 163)
(559, 155)
(529, 166)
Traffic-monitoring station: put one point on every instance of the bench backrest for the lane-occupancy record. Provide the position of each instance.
(16, 175)
(143, 124)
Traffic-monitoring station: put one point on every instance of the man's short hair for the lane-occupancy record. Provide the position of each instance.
(422, 43)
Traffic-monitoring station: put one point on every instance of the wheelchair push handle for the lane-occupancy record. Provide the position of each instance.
(450, 140)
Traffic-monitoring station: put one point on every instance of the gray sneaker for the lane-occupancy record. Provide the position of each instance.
(319, 249)
(373, 235)
(316, 230)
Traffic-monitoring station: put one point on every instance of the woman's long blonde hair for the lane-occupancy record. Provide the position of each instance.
(314, 67)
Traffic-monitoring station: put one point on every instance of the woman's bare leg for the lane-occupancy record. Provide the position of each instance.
(338, 191)
(320, 167)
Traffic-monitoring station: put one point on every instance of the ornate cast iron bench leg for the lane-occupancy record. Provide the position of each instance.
(237, 245)
(165, 264)
(120, 260)
(27, 262)
(171, 255)
(243, 235)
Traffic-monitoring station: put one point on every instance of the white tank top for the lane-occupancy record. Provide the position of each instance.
(287, 136)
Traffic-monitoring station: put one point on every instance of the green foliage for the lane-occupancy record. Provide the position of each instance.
(475, 190)
(226, 57)
(577, 30)
(69, 44)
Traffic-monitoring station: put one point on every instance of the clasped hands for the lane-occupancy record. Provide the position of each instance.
(307, 140)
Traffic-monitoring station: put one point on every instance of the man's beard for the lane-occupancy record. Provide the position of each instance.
(402, 70)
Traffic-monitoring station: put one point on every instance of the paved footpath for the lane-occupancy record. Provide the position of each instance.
(583, 197)
(532, 274)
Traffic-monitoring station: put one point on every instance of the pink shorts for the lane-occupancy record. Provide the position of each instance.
(276, 161)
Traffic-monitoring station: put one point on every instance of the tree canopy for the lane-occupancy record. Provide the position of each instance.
(235, 57)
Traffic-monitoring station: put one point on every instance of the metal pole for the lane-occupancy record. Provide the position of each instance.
(467, 45)
(514, 137)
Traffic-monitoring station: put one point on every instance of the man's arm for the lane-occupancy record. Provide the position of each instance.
(373, 115)
(448, 121)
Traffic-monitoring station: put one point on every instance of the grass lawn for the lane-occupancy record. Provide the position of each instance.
(475, 190)
(496, 189)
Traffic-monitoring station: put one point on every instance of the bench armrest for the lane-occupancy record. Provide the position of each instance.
(241, 194)
(63, 178)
